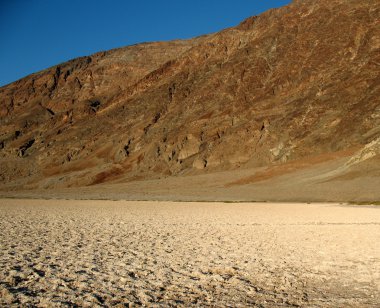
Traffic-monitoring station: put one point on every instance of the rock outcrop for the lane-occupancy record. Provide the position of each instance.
(294, 82)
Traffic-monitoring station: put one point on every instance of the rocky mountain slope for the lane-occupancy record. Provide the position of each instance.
(296, 84)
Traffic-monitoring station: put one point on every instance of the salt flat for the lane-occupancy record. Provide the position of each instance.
(103, 253)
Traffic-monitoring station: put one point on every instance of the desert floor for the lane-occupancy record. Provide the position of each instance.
(103, 253)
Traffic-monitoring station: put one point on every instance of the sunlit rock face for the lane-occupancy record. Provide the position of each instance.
(294, 82)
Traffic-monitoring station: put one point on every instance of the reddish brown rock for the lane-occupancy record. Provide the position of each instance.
(292, 83)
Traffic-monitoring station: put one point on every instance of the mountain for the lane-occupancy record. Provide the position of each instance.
(284, 106)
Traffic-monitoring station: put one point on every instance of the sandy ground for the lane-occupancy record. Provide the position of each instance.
(103, 253)
(311, 183)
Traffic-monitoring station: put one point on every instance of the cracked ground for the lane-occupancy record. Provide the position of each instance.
(57, 253)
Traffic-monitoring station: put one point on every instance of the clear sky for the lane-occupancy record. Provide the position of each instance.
(37, 34)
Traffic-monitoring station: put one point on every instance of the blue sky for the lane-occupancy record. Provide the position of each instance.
(37, 34)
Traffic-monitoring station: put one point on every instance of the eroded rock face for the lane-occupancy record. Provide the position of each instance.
(293, 82)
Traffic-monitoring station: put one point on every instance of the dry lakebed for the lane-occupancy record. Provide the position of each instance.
(67, 253)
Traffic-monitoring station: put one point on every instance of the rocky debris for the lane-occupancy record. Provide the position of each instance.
(127, 149)
(94, 106)
(247, 24)
(189, 147)
(370, 150)
(25, 147)
(200, 163)
(73, 153)
(294, 82)
(51, 112)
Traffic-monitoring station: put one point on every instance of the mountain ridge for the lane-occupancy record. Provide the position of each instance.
(290, 84)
